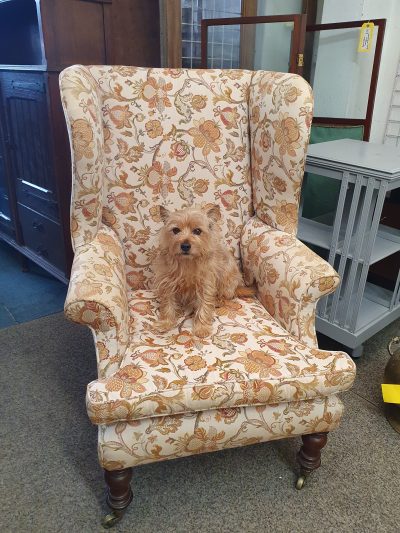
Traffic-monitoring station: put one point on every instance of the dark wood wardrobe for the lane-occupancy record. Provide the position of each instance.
(38, 39)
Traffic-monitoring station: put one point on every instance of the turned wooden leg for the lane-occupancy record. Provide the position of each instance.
(309, 456)
(119, 494)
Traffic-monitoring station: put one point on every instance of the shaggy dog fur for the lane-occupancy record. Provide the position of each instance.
(194, 271)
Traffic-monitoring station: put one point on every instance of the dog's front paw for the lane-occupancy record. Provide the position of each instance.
(202, 330)
(162, 326)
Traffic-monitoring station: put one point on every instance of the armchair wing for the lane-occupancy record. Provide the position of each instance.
(290, 277)
(97, 297)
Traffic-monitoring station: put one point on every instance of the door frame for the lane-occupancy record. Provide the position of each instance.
(298, 35)
(367, 120)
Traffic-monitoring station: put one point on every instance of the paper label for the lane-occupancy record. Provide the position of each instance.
(366, 34)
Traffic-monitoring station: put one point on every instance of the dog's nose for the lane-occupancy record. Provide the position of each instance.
(185, 247)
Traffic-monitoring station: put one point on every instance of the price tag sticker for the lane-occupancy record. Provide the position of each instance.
(366, 34)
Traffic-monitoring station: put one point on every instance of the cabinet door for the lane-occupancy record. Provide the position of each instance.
(6, 223)
(24, 97)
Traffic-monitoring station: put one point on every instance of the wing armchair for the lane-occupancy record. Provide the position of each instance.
(141, 138)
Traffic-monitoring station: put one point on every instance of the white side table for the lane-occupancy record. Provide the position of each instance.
(353, 238)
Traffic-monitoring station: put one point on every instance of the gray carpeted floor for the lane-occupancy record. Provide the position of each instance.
(50, 480)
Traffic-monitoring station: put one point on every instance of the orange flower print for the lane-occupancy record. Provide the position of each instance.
(327, 284)
(266, 141)
(195, 362)
(135, 279)
(107, 139)
(230, 199)
(82, 139)
(307, 113)
(255, 391)
(124, 201)
(179, 150)
(143, 308)
(227, 415)
(254, 247)
(200, 186)
(102, 350)
(255, 114)
(287, 134)
(158, 178)
(279, 346)
(108, 217)
(286, 216)
(229, 117)
(119, 115)
(154, 129)
(154, 358)
(206, 135)
(239, 338)
(155, 93)
(290, 94)
(127, 380)
(199, 102)
(90, 209)
(203, 392)
(285, 308)
(285, 240)
(86, 289)
(108, 243)
(230, 309)
(257, 362)
(268, 302)
(184, 338)
(279, 184)
(320, 354)
(200, 441)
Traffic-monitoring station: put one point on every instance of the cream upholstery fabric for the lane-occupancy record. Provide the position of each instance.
(141, 138)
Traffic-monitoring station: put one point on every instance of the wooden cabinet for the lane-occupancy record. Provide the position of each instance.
(39, 38)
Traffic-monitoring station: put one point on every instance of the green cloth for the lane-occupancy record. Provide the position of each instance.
(320, 193)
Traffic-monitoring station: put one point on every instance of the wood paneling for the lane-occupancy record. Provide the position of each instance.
(132, 33)
(73, 32)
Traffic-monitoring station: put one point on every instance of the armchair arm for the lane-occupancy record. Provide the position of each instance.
(290, 277)
(97, 297)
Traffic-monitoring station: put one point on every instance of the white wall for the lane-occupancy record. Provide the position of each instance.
(345, 92)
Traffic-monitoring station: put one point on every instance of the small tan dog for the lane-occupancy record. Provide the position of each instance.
(194, 270)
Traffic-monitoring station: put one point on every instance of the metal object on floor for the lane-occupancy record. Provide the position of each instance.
(392, 376)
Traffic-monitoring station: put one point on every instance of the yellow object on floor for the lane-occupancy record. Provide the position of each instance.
(391, 393)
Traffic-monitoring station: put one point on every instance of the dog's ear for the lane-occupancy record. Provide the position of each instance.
(213, 212)
(164, 213)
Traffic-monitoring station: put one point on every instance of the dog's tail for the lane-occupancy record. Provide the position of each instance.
(245, 292)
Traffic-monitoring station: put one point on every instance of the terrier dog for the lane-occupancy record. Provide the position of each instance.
(194, 271)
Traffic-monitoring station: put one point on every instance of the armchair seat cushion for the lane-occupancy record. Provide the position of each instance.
(249, 360)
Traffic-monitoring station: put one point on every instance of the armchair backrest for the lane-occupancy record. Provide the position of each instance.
(141, 138)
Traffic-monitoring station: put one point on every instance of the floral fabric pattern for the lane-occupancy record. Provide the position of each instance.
(142, 138)
(290, 277)
(249, 360)
(137, 442)
(279, 140)
(170, 137)
(97, 297)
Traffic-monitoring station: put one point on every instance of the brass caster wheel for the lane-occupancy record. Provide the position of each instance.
(300, 482)
(111, 519)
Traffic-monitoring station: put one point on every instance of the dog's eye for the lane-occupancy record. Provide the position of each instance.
(197, 231)
(176, 230)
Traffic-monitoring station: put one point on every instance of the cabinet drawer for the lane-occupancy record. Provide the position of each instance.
(38, 198)
(42, 235)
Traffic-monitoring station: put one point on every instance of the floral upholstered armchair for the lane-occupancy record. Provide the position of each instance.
(142, 138)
